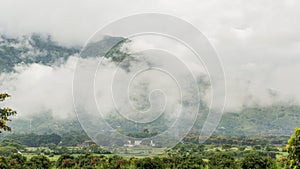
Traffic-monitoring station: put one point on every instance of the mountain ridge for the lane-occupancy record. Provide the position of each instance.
(275, 119)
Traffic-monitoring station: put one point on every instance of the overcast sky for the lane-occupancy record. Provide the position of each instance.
(251, 29)
(257, 41)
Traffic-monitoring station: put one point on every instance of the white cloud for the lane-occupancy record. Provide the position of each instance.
(258, 41)
(38, 88)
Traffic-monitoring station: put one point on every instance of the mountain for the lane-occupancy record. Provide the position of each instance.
(272, 120)
(108, 46)
(45, 123)
(31, 49)
(276, 119)
(37, 48)
(43, 50)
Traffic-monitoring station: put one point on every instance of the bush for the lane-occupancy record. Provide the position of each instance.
(117, 162)
(17, 161)
(185, 162)
(254, 161)
(84, 160)
(8, 150)
(39, 162)
(149, 163)
(3, 162)
(222, 161)
(293, 148)
(65, 161)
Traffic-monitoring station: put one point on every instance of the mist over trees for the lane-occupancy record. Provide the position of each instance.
(238, 142)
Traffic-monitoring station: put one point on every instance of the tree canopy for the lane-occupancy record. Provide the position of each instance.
(5, 114)
(293, 147)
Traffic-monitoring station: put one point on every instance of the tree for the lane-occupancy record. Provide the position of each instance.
(8, 150)
(189, 162)
(84, 160)
(17, 161)
(148, 163)
(255, 161)
(226, 146)
(66, 161)
(3, 162)
(293, 148)
(39, 162)
(222, 161)
(5, 113)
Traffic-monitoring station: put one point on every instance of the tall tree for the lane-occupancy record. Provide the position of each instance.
(293, 147)
(5, 113)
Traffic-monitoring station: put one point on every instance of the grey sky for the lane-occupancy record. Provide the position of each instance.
(258, 41)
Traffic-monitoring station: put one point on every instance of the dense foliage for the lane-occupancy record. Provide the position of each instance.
(220, 152)
(5, 114)
(255, 161)
(222, 161)
(88, 161)
(293, 148)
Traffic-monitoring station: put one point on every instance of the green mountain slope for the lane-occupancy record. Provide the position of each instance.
(272, 120)
(277, 119)
(31, 49)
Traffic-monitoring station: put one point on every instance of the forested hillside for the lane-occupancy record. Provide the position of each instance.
(275, 119)
(31, 49)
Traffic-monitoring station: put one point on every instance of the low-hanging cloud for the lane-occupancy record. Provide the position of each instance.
(257, 41)
(39, 88)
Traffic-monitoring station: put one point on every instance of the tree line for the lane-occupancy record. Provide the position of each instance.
(88, 161)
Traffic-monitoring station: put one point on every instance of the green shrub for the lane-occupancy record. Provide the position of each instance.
(84, 160)
(254, 161)
(39, 162)
(222, 161)
(3, 162)
(8, 150)
(185, 162)
(148, 163)
(66, 161)
(17, 161)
